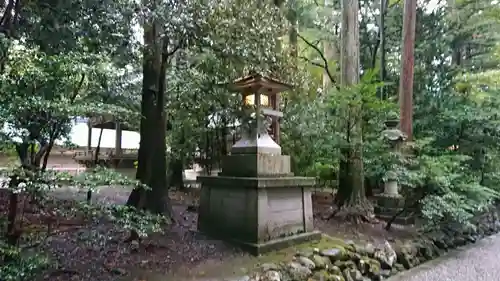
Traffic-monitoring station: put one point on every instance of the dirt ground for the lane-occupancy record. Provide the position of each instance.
(94, 250)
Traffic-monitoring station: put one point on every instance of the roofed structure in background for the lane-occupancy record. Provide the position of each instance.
(253, 80)
(80, 136)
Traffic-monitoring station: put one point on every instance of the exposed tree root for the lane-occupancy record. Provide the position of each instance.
(359, 212)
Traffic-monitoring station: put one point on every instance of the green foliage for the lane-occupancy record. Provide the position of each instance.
(82, 59)
(25, 264)
(20, 267)
(141, 222)
(320, 124)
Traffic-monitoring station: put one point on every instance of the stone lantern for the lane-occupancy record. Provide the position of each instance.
(260, 96)
(255, 201)
(395, 138)
(390, 202)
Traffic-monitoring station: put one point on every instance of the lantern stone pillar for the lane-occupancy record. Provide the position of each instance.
(255, 201)
(391, 202)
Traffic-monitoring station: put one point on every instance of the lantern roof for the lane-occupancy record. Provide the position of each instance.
(256, 81)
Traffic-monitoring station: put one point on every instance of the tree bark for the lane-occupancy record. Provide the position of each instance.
(151, 168)
(407, 65)
(351, 194)
(383, 10)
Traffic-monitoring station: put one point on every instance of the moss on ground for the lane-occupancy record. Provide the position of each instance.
(242, 265)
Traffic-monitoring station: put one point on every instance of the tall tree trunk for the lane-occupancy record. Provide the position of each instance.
(351, 196)
(383, 9)
(407, 65)
(151, 168)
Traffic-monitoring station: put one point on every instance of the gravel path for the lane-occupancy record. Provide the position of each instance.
(476, 262)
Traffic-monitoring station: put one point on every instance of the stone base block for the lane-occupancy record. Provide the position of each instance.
(253, 165)
(402, 220)
(256, 213)
(278, 243)
(390, 201)
(388, 206)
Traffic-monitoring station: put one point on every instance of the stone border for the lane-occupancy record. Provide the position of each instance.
(351, 262)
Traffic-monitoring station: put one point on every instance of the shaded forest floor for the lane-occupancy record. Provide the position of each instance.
(94, 250)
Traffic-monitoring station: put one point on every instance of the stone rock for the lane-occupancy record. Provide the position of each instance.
(319, 275)
(335, 254)
(306, 262)
(271, 275)
(335, 270)
(355, 257)
(255, 276)
(345, 265)
(351, 246)
(399, 267)
(298, 272)
(370, 267)
(406, 255)
(347, 275)
(321, 262)
(386, 273)
(268, 266)
(439, 242)
(427, 249)
(369, 250)
(406, 261)
(356, 275)
(352, 275)
(324, 275)
(460, 241)
(471, 238)
(387, 256)
(337, 278)
(304, 253)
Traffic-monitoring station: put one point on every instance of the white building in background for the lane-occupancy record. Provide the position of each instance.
(80, 135)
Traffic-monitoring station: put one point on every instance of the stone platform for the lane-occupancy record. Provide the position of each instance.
(259, 214)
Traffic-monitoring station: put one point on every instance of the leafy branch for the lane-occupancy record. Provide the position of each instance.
(324, 65)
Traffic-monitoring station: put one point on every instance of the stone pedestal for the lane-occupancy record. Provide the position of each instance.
(257, 203)
(389, 205)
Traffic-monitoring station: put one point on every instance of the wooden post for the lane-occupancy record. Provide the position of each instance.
(276, 125)
(407, 65)
(89, 137)
(118, 139)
